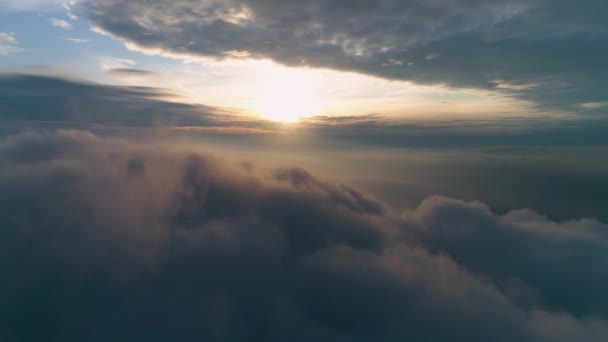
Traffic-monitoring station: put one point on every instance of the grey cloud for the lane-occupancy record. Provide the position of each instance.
(110, 239)
(558, 162)
(31, 101)
(553, 51)
(522, 245)
(131, 72)
(378, 131)
(39, 102)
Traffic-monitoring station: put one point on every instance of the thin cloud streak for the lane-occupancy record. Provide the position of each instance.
(60, 23)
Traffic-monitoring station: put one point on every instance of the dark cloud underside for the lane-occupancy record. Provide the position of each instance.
(550, 51)
(40, 101)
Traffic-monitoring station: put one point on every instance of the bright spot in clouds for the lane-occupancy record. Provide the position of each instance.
(288, 95)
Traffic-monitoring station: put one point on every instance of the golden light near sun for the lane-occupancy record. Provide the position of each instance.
(288, 95)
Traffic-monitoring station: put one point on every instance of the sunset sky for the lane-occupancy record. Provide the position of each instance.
(199, 169)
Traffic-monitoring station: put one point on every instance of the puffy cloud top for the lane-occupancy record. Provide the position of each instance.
(107, 239)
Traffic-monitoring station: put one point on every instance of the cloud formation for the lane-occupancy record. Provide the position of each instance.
(78, 40)
(109, 239)
(556, 45)
(131, 72)
(31, 101)
(557, 161)
(60, 23)
(8, 44)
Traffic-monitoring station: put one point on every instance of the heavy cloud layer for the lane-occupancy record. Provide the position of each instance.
(550, 51)
(103, 239)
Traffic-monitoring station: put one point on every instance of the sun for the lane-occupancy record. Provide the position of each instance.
(287, 105)
(288, 96)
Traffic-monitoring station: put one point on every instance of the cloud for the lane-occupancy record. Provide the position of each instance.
(78, 40)
(68, 9)
(76, 104)
(7, 38)
(594, 105)
(115, 239)
(432, 56)
(131, 72)
(237, 54)
(8, 44)
(60, 23)
(514, 247)
(553, 44)
(108, 63)
(378, 131)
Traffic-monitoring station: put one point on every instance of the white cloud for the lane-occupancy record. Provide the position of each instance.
(8, 44)
(432, 56)
(393, 62)
(7, 38)
(237, 53)
(501, 84)
(109, 63)
(60, 23)
(594, 105)
(78, 40)
(68, 8)
(7, 50)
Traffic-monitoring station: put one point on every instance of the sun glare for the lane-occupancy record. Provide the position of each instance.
(288, 95)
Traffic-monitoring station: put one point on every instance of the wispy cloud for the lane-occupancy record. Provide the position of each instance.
(432, 56)
(69, 12)
(8, 44)
(131, 72)
(111, 63)
(7, 38)
(78, 40)
(594, 105)
(60, 23)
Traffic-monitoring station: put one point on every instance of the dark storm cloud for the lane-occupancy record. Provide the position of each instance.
(106, 239)
(550, 51)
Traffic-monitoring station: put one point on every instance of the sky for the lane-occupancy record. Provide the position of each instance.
(328, 170)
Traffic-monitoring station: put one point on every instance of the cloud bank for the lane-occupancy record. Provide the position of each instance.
(109, 239)
(31, 101)
(42, 102)
(549, 51)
